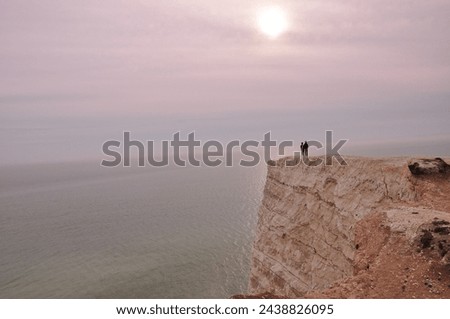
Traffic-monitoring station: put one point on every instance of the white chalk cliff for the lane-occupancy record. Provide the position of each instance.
(332, 230)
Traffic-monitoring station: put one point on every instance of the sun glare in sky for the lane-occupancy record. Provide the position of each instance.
(272, 21)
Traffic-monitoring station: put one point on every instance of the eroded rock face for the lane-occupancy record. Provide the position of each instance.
(305, 238)
(428, 166)
(435, 238)
(402, 253)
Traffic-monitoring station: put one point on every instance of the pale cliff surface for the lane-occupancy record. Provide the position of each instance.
(354, 230)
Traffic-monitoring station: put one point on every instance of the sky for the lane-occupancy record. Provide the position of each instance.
(76, 73)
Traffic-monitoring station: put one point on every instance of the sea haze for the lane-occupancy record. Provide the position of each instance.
(79, 230)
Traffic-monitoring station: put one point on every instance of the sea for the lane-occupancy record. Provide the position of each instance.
(80, 230)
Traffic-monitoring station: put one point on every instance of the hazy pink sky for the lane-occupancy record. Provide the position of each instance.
(374, 71)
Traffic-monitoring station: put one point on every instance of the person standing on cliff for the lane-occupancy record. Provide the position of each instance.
(302, 148)
(305, 148)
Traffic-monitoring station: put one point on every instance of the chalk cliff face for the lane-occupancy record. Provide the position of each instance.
(320, 227)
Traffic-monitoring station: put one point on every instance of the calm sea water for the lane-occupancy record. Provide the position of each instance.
(77, 230)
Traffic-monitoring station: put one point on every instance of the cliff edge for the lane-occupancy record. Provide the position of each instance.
(374, 228)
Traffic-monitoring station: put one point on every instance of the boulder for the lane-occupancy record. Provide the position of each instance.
(428, 166)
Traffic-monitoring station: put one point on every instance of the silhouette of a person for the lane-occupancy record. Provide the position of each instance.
(302, 148)
(305, 148)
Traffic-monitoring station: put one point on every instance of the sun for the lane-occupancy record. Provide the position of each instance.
(272, 21)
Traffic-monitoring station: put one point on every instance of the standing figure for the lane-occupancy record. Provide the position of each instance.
(305, 148)
(302, 148)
